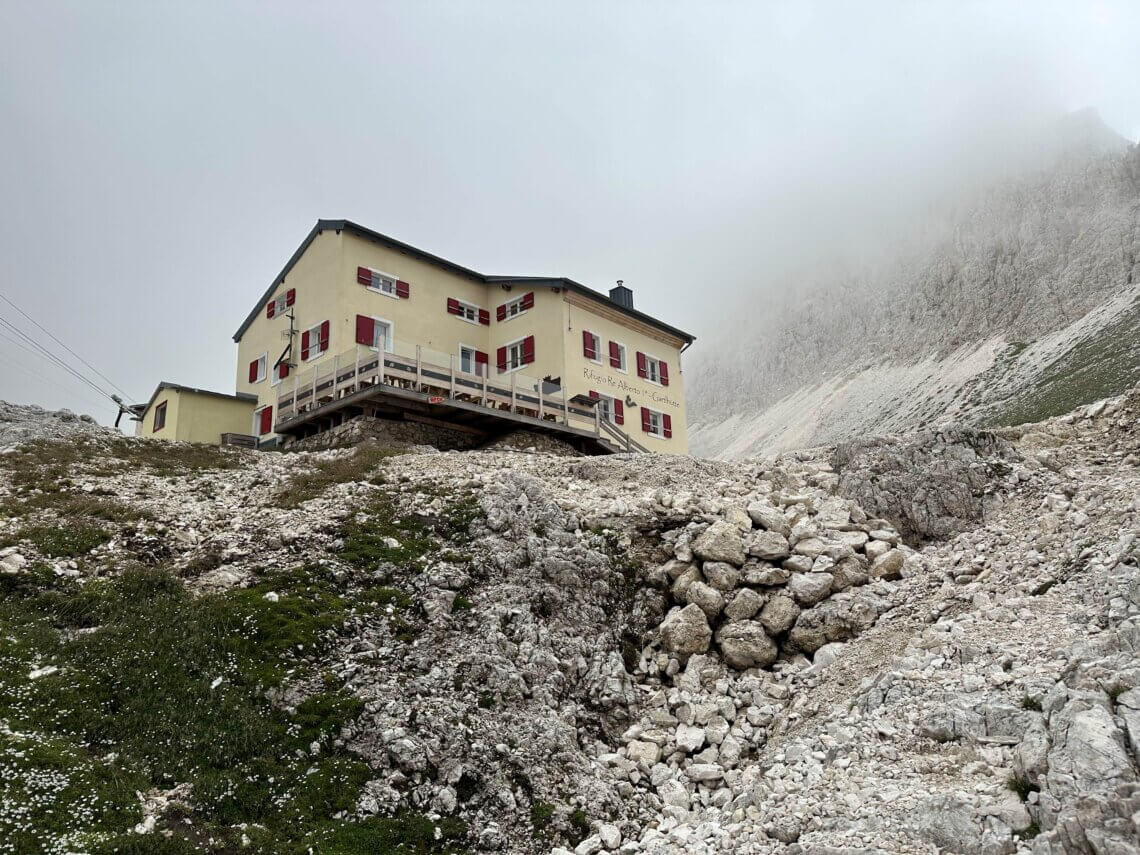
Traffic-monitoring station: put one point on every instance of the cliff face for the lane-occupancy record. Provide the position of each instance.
(1018, 304)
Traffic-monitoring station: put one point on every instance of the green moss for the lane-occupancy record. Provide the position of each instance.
(579, 826)
(381, 535)
(541, 815)
(461, 604)
(63, 541)
(407, 833)
(1028, 703)
(1021, 786)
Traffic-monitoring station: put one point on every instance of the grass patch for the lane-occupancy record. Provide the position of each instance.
(326, 473)
(541, 815)
(1115, 691)
(61, 541)
(173, 686)
(380, 535)
(1028, 703)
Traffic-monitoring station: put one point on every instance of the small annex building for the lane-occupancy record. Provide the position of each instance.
(186, 414)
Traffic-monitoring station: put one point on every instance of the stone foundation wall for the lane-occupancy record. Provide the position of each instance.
(389, 433)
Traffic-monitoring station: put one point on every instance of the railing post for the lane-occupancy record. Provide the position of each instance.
(485, 373)
(296, 380)
(597, 420)
(356, 371)
(565, 406)
(336, 375)
(313, 396)
(380, 362)
(514, 375)
(419, 371)
(541, 409)
(451, 366)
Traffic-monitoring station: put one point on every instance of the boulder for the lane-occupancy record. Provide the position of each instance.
(798, 564)
(810, 547)
(721, 541)
(745, 644)
(643, 752)
(686, 631)
(765, 574)
(721, 575)
(769, 545)
(778, 614)
(743, 605)
(684, 580)
(809, 588)
(689, 738)
(848, 572)
(767, 517)
(889, 566)
(710, 600)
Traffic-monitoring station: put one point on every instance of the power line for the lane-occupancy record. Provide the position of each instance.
(54, 358)
(24, 369)
(65, 347)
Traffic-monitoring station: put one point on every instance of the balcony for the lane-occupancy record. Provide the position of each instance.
(417, 383)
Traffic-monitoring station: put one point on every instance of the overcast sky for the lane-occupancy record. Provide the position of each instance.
(161, 161)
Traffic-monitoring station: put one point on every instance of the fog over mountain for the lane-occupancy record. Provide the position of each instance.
(1011, 298)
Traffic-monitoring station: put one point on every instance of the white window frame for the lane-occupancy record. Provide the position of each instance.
(474, 364)
(656, 366)
(515, 304)
(393, 279)
(516, 343)
(262, 367)
(389, 339)
(608, 412)
(466, 307)
(624, 367)
(597, 360)
(275, 377)
(313, 357)
(659, 431)
(279, 306)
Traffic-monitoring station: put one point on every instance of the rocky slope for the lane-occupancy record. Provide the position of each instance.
(920, 643)
(1011, 304)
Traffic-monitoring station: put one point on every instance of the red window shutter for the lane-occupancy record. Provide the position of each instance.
(642, 365)
(484, 317)
(270, 308)
(501, 313)
(480, 357)
(283, 370)
(501, 359)
(619, 412)
(365, 330)
(528, 350)
(290, 296)
(265, 422)
(663, 372)
(364, 276)
(452, 306)
(253, 371)
(528, 300)
(403, 289)
(324, 337)
(615, 355)
(645, 419)
(588, 348)
(594, 395)
(667, 424)
(305, 344)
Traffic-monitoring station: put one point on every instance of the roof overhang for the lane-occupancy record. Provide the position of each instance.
(242, 397)
(419, 254)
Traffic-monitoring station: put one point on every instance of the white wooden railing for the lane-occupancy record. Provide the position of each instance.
(421, 369)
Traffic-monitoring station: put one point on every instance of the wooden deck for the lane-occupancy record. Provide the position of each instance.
(366, 381)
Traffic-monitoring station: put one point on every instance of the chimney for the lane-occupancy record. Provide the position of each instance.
(622, 296)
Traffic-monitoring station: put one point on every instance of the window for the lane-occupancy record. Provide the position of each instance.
(468, 311)
(280, 373)
(279, 304)
(257, 368)
(515, 307)
(160, 417)
(617, 357)
(652, 369)
(591, 346)
(516, 354)
(656, 424)
(263, 421)
(315, 341)
(609, 408)
(385, 283)
(472, 361)
(372, 332)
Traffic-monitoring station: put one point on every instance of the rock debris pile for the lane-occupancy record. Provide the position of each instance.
(704, 657)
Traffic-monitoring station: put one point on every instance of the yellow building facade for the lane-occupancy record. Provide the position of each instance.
(347, 287)
(185, 414)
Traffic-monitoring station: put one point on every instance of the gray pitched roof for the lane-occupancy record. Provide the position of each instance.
(400, 246)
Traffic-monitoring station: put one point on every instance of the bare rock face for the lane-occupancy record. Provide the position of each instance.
(686, 631)
(929, 484)
(745, 644)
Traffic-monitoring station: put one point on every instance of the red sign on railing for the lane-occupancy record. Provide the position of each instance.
(435, 399)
